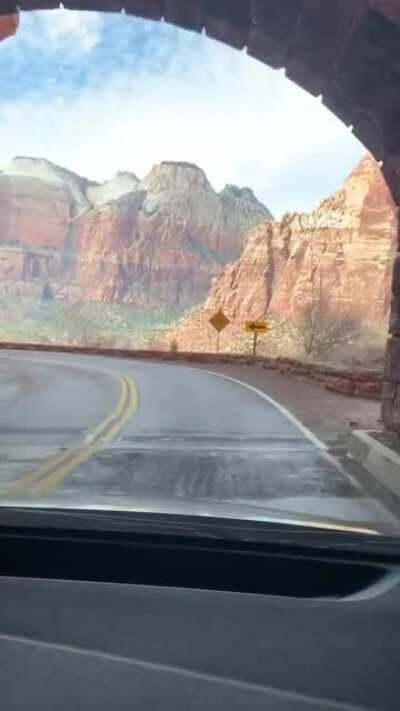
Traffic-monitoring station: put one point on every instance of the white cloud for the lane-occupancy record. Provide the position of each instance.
(72, 30)
(240, 121)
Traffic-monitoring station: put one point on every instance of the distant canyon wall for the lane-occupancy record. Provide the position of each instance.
(170, 241)
(152, 243)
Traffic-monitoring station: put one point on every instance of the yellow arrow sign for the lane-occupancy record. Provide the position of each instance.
(219, 321)
(257, 327)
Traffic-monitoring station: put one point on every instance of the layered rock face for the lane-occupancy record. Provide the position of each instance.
(34, 216)
(154, 242)
(161, 244)
(161, 241)
(344, 249)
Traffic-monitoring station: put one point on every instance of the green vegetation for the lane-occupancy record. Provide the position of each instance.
(81, 324)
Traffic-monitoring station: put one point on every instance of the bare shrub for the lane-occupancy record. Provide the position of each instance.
(321, 329)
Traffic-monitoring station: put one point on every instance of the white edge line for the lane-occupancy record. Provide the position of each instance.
(321, 446)
(283, 410)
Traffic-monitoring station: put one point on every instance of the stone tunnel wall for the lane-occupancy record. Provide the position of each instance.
(391, 385)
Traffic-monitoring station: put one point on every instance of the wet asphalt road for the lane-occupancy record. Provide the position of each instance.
(170, 437)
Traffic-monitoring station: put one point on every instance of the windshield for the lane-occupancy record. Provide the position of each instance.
(195, 267)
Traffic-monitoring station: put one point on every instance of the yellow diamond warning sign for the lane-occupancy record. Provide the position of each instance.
(219, 321)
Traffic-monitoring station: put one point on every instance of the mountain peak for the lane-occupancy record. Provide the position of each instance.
(86, 193)
(126, 174)
(51, 174)
(244, 197)
(181, 164)
(363, 184)
(367, 169)
(234, 190)
(37, 167)
(175, 176)
(121, 184)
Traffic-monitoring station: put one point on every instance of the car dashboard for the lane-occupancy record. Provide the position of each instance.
(144, 618)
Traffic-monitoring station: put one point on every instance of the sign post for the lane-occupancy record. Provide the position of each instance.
(256, 327)
(219, 321)
(255, 336)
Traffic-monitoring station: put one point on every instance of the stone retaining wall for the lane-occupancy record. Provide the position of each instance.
(359, 382)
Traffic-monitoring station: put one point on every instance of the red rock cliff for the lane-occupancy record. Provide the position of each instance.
(155, 242)
(161, 244)
(345, 247)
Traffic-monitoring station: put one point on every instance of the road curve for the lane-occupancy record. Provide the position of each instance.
(102, 432)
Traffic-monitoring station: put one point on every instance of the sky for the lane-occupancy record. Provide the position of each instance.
(101, 93)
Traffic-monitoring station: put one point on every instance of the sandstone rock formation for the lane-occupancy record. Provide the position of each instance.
(161, 244)
(345, 248)
(154, 242)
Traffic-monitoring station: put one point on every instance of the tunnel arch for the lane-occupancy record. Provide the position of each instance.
(344, 51)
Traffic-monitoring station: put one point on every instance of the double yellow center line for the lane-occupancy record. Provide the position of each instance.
(56, 469)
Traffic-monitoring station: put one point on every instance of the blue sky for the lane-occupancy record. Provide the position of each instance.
(101, 93)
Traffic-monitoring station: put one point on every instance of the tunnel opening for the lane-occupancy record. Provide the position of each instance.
(345, 55)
